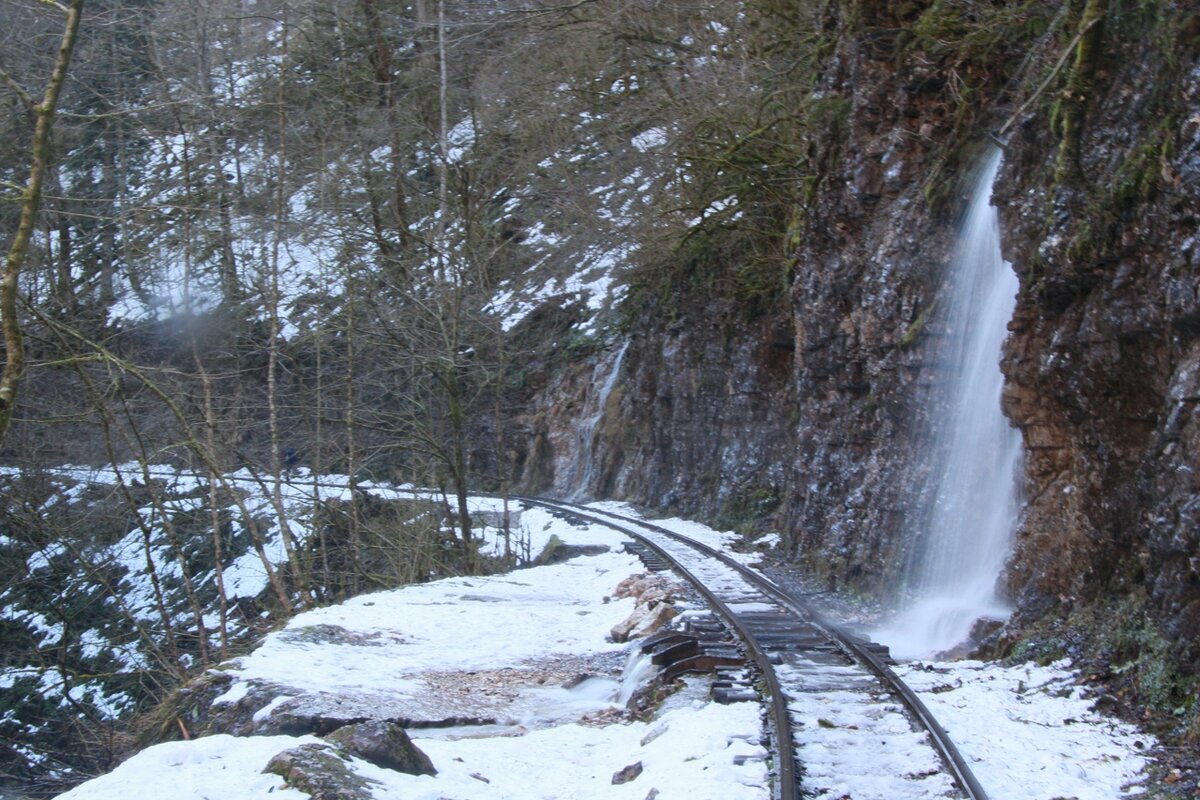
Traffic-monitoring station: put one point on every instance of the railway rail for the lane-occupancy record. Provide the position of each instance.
(810, 667)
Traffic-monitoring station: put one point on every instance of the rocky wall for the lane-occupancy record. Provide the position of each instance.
(805, 418)
(1103, 364)
(811, 419)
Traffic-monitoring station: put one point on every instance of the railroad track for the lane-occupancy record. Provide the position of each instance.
(838, 715)
(842, 722)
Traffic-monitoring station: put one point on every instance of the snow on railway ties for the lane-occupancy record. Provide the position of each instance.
(844, 721)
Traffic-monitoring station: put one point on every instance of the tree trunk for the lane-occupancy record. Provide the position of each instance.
(300, 578)
(14, 344)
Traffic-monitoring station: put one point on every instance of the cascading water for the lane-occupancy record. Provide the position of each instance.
(967, 533)
(581, 477)
(639, 668)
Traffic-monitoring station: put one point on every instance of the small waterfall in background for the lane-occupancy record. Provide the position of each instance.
(581, 480)
(968, 533)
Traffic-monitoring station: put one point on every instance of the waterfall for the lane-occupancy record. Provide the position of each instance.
(967, 533)
(639, 668)
(581, 476)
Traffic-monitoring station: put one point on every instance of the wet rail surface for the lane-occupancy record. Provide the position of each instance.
(814, 674)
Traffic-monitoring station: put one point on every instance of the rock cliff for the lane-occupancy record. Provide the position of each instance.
(806, 415)
(1103, 360)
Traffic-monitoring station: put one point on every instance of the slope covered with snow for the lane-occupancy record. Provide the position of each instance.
(513, 648)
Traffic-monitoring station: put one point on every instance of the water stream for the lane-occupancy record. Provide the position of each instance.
(538, 707)
(581, 480)
(966, 536)
(639, 669)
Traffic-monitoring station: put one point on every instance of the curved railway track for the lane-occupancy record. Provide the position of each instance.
(808, 666)
(812, 671)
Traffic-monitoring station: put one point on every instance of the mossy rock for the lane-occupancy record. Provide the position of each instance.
(322, 772)
(385, 745)
(557, 551)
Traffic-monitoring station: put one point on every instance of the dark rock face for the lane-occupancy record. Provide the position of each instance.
(385, 745)
(808, 417)
(804, 415)
(702, 415)
(868, 283)
(1103, 366)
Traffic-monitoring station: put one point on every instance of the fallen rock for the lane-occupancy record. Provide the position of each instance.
(656, 618)
(646, 588)
(234, 711)
(332, 634)
(626, 774)
(643, 622)
(654, 733)
(654, 606)
(384, 744)
(322, 772)
(294, 717)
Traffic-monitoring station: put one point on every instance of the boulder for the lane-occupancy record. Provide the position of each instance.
(565, 552)
(644, 621)
(626, 774)
(322, 772)
(646, 589)
(384, 744)
(654, 605)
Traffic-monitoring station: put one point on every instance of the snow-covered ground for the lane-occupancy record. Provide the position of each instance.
(506, 642)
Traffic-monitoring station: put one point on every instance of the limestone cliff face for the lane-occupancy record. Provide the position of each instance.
(808, 417)
(697, 419)
(868, 277)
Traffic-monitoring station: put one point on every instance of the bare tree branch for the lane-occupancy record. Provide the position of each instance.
(18, 90)
(57, 6)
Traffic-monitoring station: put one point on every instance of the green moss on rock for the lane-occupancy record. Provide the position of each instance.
(322, 772)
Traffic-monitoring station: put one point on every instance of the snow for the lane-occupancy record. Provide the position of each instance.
(387, 641)
(1035, 718)
(594, 280)
(471, 623)
(236, 692)
(768, 541)
(1027, 730)
(576, 761)
(714, 208)
(459, 140)
(215, 766)
(570, 761)
(650, 139)
(834, 720)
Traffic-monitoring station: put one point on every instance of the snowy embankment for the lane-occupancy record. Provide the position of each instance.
(511, 650)
(507, 651)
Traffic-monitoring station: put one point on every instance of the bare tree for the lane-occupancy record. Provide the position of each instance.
(39, 155)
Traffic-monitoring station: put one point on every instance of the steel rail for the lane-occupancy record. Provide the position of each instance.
(953, 760)
(786, 784)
